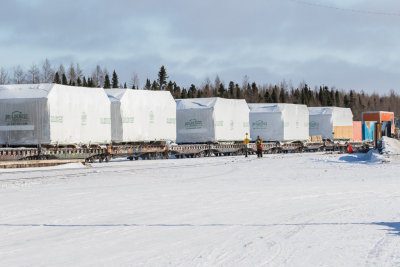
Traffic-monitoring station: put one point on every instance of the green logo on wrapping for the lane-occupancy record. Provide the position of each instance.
(57, 119)
(83, 119)
(219, 123)
(151, 117)
(128, 120)
(105, 120)
(259, 125)
(193, 124)
(171, 120)
(314, 125)
(232, 125)
(17, 118)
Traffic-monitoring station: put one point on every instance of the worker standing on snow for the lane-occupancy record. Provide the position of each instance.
(259, 144)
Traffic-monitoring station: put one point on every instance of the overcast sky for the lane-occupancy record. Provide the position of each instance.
(349, 44)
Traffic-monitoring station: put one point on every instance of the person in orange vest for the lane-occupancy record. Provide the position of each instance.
(259, 144)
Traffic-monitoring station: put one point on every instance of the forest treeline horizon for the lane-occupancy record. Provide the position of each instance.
(284, 92)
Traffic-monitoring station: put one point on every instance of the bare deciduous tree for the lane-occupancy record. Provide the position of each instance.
(34, 74)
(61, 70)
(19, 75)
(71, 75)
(47, 72)
(79, 71)
(134, 84)
(4, 78)
(98, 77)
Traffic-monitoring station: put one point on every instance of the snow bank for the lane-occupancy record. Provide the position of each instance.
(390, 145)
(76, 165)
(371, 157)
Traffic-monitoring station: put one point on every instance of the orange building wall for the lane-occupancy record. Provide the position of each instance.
(357, 131)
(384, 116)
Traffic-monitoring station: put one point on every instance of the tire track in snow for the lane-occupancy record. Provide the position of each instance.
(60, 174)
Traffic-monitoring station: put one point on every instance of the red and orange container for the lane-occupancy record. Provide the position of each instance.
(379, 117)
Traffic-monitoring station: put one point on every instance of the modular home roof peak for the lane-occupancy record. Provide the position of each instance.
(269, 107)
(115, 94)
(40, 90)
(196, 103)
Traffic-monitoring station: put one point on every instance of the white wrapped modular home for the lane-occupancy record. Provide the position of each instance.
(279, 122)
(331, 122)
(213, 119)
(142, 115)
(33, 114)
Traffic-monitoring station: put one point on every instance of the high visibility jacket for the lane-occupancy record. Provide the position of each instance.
(259, 143)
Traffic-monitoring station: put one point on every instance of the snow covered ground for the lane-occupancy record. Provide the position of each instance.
(282, 210)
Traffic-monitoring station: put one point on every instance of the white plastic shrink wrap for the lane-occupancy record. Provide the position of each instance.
(214, 119)
(33, 114)
(142, 115)
(279, 122)
(324, 119)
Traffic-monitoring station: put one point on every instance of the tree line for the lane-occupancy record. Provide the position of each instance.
(250, 91)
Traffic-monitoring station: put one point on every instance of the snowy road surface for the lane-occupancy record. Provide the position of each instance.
(282, 210)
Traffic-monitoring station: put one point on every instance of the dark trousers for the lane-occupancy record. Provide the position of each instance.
(259, 153)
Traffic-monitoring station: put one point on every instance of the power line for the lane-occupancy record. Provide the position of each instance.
(346, 9)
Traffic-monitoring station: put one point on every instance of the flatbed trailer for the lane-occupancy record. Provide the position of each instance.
(160, 150)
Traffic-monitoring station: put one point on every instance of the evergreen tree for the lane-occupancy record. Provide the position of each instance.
(282, 95)
(346, 101)
(267, 97)
(297, 96)
(332, 97)
(162, 78)
(184, 93)
(337, 98)
(78, 81)
(192, 91)
(57, 78)
(114, 80)
(107, 83)
(254, 93)
(64, 79)
(125, 87)
(221, 90)
(231, 89)
(177, 91)
(84, 82)
(155, 86)
(274, 96)
(238, 94)
(170, 86)
(352, 99)
(91, 83)
(148, 85)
